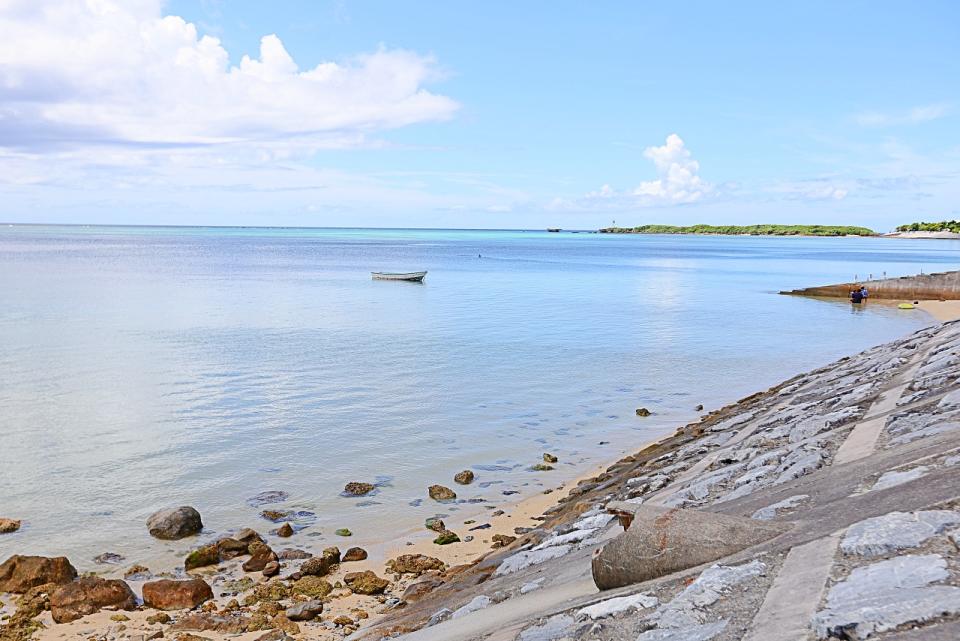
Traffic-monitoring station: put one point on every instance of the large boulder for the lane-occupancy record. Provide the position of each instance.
(168, 594)
(20, 573)
(174, 523)
(660, 541)
(89, 594)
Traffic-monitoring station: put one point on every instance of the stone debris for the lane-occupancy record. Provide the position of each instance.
(770, 512)
(522, 560)
(896, 531)
(885, 595)
(618, 605)
(892, 478)
(687, 608)
(553, 628)
(531, 586)
(477, 603)
(562, 539)
(699, 632)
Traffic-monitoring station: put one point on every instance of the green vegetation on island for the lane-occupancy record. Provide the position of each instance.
(746, 230)
(944, 225)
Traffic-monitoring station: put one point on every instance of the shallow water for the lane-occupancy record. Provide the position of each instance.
(147, 367)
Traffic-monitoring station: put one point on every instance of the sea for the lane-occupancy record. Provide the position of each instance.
(149, 367)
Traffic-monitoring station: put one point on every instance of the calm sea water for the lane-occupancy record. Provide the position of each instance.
(148, 367)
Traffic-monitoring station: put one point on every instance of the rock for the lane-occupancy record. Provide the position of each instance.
(618, 605)
(232, 548)
(549, 458)
(8, 526)
(20, 573)
(260, 555)
(137, 572)
(271, 569)
(770, 512)
(270, 496)
(342, 620)
(272, 635)
(202, 557)
(276, 515)
(312, 586)
(418, 590)
(698, 408)
(542, 467)
(441, 493)
(343, 532)
(523, 560)
(169, 594)
(661, 541)
(354, 554)
(321, 565)
(248, 536)
(886, 595)
(476, 603)
(174, 523)
(435, 524)
(694, 632)
(285, 530)
(357, 488)
(293, 554)
(687, 608)
(87, 595)
(464, 478)
(896, 531)
(306, 611)
(531, 586)
(108, 558)
(643, 411)
(447, 537)
(502, 540)
(415, 564)
(159, 617)
(202, 621)
(891, 479)
(439, 616)
(556, 627)
(365, 583)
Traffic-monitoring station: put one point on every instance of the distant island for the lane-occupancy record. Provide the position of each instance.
(951, 226)
(746, 230)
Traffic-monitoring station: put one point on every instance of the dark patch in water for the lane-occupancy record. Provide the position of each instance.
(269, 470)
(509, 492)
(488, 483)
(368, 503)
(416, 502)
(265, 498)
(496, 468)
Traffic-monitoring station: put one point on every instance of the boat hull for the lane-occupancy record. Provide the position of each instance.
(410, 277)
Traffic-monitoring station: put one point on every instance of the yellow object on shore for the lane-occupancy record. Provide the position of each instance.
(905, 306)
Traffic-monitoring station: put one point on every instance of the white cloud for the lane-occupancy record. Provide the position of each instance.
(815, 189)
(77, 73)
(916, 115)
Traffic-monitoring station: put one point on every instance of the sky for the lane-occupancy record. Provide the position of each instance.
(479, 115)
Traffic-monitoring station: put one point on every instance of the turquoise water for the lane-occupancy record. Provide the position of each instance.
(147, 367)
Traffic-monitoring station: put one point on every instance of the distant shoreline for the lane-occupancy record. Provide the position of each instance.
(819, 231)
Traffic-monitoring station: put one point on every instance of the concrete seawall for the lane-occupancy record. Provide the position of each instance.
(938, 286)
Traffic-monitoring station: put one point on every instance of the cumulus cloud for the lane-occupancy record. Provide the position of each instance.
(916, 115)
(94, 72)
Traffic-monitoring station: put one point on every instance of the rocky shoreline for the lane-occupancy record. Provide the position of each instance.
(824, 454)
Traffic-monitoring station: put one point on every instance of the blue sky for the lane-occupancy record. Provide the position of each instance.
(504, 115)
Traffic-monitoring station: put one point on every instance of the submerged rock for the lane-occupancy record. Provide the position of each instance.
(108, 558)
(542, 467)
(415, 564)
(8, 526)
(643, 411)
(87, 595)
(276, 515)
(174, 523)
(169, 594)
(356, 488)
(441, 493)
(270, 496)
(549, 458)
(464, 478)
(285, 530)
(20, 573)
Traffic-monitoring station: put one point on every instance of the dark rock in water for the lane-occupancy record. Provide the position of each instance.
(202, 557)
(20, 573)
(476, 499)
(497, 513)
(446, 537)
(356, 488)
(643, 411)
(260, 555)
(232, 548)
(285, 530)
(108, 558)
(502, 540)
(464, 478)
(541, 467)
(434, 523)
(276, 515)
(8, 526)
(137, 573)
(306, 611)
(698, 408)
(365, 583)
(441, 493)
(482, 526)
(416, 591)
(549, 458)
(265, 498)
(174, 523)
(87, 595)
(510, 492)
(415, 564)
(496, 468)
(487, 484)
(321, 565)
(415, 503)
(604, 443)
(271, 569)
(168, 594)
(354, 554)
(292, 554)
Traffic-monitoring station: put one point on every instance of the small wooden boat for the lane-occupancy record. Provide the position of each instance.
(553, 229)
(412, 277)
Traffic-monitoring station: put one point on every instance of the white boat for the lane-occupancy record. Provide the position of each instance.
(413, 277)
